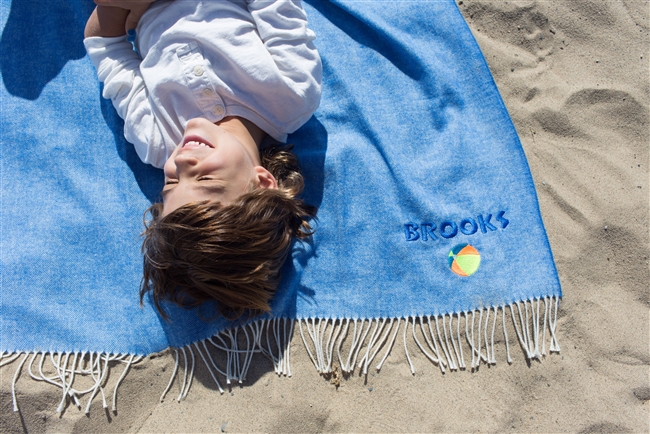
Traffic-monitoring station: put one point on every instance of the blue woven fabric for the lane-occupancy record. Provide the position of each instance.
(410, 154)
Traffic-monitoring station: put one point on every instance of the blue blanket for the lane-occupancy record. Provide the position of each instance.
(426, 202)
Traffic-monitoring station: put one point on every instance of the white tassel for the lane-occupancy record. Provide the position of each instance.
(342, 337)
(185, 366)
(554, 346)
(269, 352)
(250, 349)
(214, 377)
(119, 380)
(315, 333)
(485, 328)
(243, 364)
(171, 380)
(451, 337)
(544, 326)
(522, 341)
(48, 379)
(390, 345)
(529, 338)
(99, 378)
(470, 341)
(9, 358)
(70, 391)
(536, 328)
(233, 355)
(29, 368)
(494, 326)
(426, 353)
(430, 337)
(189, 382)
(331, 341)
(408, 357)
(505, 334)
(62, 376)
(288, 334)
(368, 347)
(377, 342)
(478, 340)
(363, 363)
(329, 345)
(443, 345)
(433, 344)
(15, 380)
(460, 344)
(302, 335)
(348, 366)
(311, 330)
(345, 367)
(212, 362)
(225, 348)
(319, 332)
(79, 369)
(361, 341)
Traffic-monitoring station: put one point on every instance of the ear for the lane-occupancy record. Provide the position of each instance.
(265, 179)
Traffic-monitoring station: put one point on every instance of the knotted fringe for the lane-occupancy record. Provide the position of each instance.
(353, 343)
(323, 354)
(271, 337)
(442, 337)
(68, 365)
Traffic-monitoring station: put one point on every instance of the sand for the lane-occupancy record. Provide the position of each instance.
(574, 76)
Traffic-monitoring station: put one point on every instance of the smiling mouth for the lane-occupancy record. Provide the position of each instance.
(192, 142)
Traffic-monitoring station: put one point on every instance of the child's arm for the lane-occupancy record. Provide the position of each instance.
(118, 67)
(106, 21)
(282, 26)
(114, 18)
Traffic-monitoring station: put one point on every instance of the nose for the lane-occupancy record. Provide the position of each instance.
(196, 123)
(185, 163)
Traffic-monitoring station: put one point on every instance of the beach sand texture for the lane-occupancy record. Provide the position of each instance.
(574, 76)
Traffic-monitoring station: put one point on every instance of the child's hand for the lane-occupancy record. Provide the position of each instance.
(135, 8)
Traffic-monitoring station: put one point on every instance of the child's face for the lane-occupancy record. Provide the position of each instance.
(210, 163)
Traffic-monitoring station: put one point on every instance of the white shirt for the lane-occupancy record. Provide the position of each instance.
(249, 58)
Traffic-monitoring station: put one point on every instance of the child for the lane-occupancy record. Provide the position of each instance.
(215, 78)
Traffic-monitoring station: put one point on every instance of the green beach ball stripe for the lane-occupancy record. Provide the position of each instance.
(464, 260)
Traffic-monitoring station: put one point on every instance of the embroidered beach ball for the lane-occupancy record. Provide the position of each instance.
(464, 259)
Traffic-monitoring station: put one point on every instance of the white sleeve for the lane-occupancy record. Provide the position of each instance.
(282, 26)
(118, 67)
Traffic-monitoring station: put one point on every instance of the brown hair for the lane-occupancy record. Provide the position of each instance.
(230, 254)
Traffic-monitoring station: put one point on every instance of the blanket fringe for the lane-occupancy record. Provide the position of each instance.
(64, 367)
(271, 337)
(355, 344)
(441, 338)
